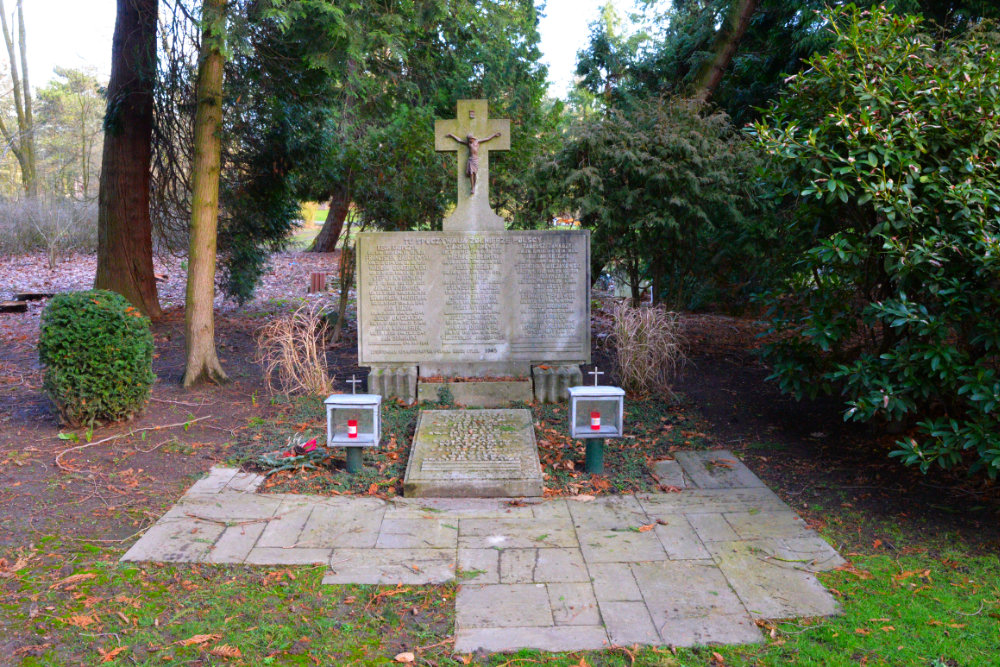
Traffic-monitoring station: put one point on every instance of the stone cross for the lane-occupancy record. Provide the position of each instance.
(472, 211)
(595, 373)
(354, 382)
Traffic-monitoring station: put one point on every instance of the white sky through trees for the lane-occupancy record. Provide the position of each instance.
(77, 34)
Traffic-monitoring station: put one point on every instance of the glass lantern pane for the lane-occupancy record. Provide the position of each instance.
(351, 425)
(597, 416)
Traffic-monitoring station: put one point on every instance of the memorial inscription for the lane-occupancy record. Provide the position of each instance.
(473, 297)
(482, 453)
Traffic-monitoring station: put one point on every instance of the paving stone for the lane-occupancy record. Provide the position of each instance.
(759, 525)
(517, 566)
(613, 582)
(729, 474)
(679, 539)
(284, 528)
(391, 566)
(418, 534)
(560, 566)
(279, 556)
(573, 604)
(235, 543)
(513, 534)
(553, 638)
(685, 589)
(556, 510)
(343, 525)
(484, 562)
(466, 508)
(670, 473)
(245, 482)
(712, 527)
(502, 606)
(812, 554)
(608, 513)
(770, 588)
(175, 541)
(620, 546)
(629, 623)
(225, 506)
(714, 629)
(708, 501)
(213, 482)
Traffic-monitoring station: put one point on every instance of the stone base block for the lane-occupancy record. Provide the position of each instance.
(498, 394)
(390, 381)
(552, 382)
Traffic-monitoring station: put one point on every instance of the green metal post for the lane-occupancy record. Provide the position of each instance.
(595, 456)
(354, 459)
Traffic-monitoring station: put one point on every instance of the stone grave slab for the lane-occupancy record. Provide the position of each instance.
(473, 453)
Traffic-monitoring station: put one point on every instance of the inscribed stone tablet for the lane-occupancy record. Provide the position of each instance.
(473, 297)
(474, 453)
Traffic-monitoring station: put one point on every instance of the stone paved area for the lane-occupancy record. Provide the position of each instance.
(694, 567)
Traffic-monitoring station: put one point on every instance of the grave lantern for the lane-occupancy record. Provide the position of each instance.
(353, 421)
(596, 413)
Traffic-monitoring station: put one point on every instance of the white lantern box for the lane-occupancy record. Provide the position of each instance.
(596, 412)
(353, 420)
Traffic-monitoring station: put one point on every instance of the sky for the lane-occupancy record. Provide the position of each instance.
(78, 33)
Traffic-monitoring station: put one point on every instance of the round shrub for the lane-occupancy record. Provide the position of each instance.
(97, 351)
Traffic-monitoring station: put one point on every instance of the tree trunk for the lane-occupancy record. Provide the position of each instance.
(634, 281)
(346, 274)
(328, 236)
(728, 38)
(199, 317)
(124, 229)
(23, 142)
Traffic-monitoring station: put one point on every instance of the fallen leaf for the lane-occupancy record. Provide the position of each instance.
(888, 628)
(405, 657)
(81, 621)
(108, 656)
(7, 571)
(373, 489)
(583, 498)
(226, 651)
(73, 579)
(648, 527)
(198, 639)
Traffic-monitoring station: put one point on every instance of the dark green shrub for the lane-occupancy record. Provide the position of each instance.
(890, 143)
(98, 356)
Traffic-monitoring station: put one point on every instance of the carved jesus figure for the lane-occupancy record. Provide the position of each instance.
(472, 167)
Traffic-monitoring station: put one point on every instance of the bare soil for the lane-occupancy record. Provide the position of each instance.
(830, 471)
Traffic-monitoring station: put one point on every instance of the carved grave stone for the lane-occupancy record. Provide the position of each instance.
(474, 301)
(473, 453)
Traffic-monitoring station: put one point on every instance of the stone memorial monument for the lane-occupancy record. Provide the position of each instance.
(491, 315)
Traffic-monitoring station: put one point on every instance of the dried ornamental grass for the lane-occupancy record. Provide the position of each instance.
(291, 350)
(647, 347)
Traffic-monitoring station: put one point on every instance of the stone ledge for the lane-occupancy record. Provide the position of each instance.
(490, 394)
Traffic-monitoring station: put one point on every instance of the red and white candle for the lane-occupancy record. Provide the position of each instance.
(352, 428)
(595, 420)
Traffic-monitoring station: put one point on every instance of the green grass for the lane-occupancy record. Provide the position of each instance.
(72, 603)
(156, 613)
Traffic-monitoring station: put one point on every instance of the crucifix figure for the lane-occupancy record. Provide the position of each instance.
(472, 166)
(482, 134)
